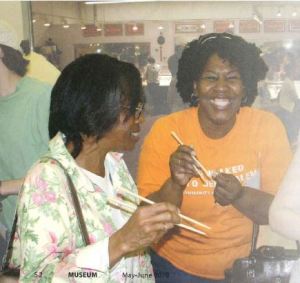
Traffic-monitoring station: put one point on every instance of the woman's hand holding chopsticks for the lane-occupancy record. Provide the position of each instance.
(183, 166)
(145, 227)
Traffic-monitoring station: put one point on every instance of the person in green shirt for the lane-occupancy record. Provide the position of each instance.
(24, 112)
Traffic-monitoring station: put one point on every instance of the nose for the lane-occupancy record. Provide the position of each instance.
(221, 84)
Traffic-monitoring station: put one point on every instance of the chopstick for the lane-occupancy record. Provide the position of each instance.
(131, 209)
(152, 202)
(173, 134)
(121, 204)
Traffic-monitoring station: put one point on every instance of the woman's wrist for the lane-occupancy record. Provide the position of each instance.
(239, 195)
(117, 248)
(176, 185)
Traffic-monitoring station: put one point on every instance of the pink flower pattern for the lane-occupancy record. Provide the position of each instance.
(48, 207)
(38, 199)
(50, 196)
(108, 228)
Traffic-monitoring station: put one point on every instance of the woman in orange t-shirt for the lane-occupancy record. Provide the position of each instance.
(248, 148)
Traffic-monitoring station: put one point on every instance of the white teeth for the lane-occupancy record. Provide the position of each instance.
(220, 102)
(135, 134)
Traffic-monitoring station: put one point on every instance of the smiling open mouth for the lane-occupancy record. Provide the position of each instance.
(220, 103)
(135, 134)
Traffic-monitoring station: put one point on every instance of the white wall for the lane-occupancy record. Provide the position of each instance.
(11, 12)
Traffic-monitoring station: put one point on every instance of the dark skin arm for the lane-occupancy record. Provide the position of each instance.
(251, 202)
(228, 191)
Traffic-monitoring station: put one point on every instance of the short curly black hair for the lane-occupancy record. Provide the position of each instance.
(89, 96)
(240, 53)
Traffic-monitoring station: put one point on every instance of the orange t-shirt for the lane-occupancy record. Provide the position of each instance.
(256, 151)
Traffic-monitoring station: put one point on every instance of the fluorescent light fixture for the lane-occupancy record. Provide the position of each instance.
(33, 21)
(83, 27)
(203, 26)
(47, 24)
(294, 14)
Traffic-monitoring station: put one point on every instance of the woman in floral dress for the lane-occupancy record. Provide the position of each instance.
(95, 111)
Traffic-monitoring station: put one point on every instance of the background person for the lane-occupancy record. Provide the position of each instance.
(174, 100)
(247, 147)
(95, 112)
(24, 112)
(284, 212)
(152, 78)
(39, 67)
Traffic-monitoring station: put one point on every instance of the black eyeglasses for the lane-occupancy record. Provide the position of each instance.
(138, 110)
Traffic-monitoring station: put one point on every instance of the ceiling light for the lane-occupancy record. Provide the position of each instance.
(294, 14)
(278, 13)
(65, 24)
(83, 27)
(288, 45)
(47, 24)
(257, 15)
(33, 21)
(99, 29)
(203, 26)
(160, 27)
(135, 28)
(257, 19)
(231, 25)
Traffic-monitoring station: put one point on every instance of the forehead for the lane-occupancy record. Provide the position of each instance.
(216, 62)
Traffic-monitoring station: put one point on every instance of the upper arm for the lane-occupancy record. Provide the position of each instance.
(43, 219)
(275, 154)
(41, 118)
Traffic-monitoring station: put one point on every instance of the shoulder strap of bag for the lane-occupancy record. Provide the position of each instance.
(78, 211)
(9, 250)
(76, 204)
(255, 237)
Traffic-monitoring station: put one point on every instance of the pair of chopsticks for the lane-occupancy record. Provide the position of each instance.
(131, 208)
(204, 170)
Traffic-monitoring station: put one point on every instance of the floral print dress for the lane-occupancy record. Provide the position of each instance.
(48, 244)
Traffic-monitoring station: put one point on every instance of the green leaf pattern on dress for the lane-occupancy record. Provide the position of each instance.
(48, 237)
